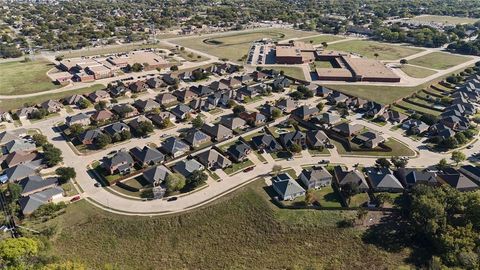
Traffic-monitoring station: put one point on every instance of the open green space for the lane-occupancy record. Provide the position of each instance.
(368, 49)
(234, 45)
(358, 199)
(110, 49)
(439, 60)
(398, 149)
(322, 38)
(418, 109)
(417, 72)
(10, 104)
(444, 19)
(20, 77)
(294, 72)
(238, 166)
(259, 235)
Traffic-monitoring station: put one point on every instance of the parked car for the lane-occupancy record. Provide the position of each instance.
(324, 161)
(248, 169)
(171, 199)
(76, 198)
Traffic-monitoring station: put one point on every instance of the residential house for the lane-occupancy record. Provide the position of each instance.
(316, 177)
(156, 175)
(187, 166)
(146, 105)
(329, 118)
(73, 99)
(197, 138)
(170, 78)
(25, 112)
(323, 91)
(125, 110)
(185, 96)
(88, 137)
(174, 147)
(116, 128)
(7, 136)
(336, 97)
(369, 139)
(286, 187)
(166, 99)
(119, 91)
(5, 116)
(158, 118)
(415, 126)
(137, 121)
(245, 79)
(155, 82)
(247, 92)
(17, 173)
(411, 177)
(347, 129)
(232, 83)
(457, 180)
(78, 119)
(373, 109)
(201, 90)
(138, 86)
(286, 105)
(239, 151)
(99, 95)
(29, 204)
(121, 163)
(19, 145)
(293, 137)
(218, 86)
(35, 183)
(218, 131)
(353, 177)
(472, 172)
(304, 112)
(21, 157)
(267, 143)
(393, 117)
(259, 76)
(253, 118)
(383, 180)
(102, 116)
(233, 122)
(181, 111)
(281, 83)
(51, 106)
(316, 139)
(146, 156)
(213, 159)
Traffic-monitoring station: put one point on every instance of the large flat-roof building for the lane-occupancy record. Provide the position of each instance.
(295, 52)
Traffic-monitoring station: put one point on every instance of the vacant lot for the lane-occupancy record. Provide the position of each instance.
(241, 231)
(10, 104)
(416, 72)
(323, 38)
(438, 60)
(370, 48)
(21, 77)
(234, 45)
(444, 19)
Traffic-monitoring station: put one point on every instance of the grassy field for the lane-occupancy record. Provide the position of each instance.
(416, 72)
(398, 149)
(234, 45)
(241, 231)
(21, 77)
(10, 104)
(295, 72)
(444, 19)
(323, 38)
(438, 60)
(110, 49)
(369, 48)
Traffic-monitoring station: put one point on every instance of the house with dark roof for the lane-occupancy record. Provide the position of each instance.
(315, 178)
(286, 105)
(472, 172)
(293, 137)
(88, 137)
(316, 139)
(158, 118)
(281, 83)
(322, 91)
(336, 97)
(156, 175)
(99, 95)
(213, 159)
(136, 122)
(166, 99)
(286, 187)
(30, 203)
(170, 78)
(304, 112)
(73, 99)
(231, 82)
(239, 151)
(233, 122)
(369, 139)
(457, 180)
(181, 111)
(246, 92)
(121, 163)
(19, 145)
(373, 109)
(329, 118)
(202, 90)
(347, 129)
(7, 136)
(355, 177)
(383, 180)
(174, 147)
(119, 91)
(409, 177)
(125, 110)
(197, 138)
(18, 172)
(146, 105)
(36, 183)
(185, 96)
(187, 166)
(146, 156)
(218, 86)
(218, 132)
(253, 118)
(267, 143)
(138, 86)
(52, 106)
(415, 126)
(116, 128)
(154, 82)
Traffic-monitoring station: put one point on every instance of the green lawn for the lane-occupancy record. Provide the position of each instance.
(327, 197)
(295, 72)
(369, 48)
(416, 72)
(10, 104)
(381, 94)
(111, 49)
(321, 64)
(418, 108)
(236, 167)
(444, 19)
(234, 45)
(18, 78)
(439, 60)
(322, 38)
(358, 199)
(243, 230)
(398, 149)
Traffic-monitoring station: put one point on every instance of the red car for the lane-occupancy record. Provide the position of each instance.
(76, 198)
(248, 169)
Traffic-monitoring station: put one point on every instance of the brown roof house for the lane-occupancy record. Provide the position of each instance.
(52, 106)
(102, 115)
(99, 95)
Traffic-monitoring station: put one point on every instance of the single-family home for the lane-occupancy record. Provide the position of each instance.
(316, 139)
(347, 129)
(197, 138)
(316, 177)
(30, 203)
(304, 112)
(156, 175)
(35, 183)
(383, 180)
(18, 172)
(286, 187)
(166, 99)
(218, 132)
(20, 145)
(102, 116)
(88, 137)
(51, 106)
(181, 111)
(293, 137)
(146, 156)
(174, 147)
(78, 119)
(125, 110)
(253, 118)
(146, 105)
(239, 151)
(121, 163)
(99, 95)
(233, 122)
(267, 143)
(213, 159)
(116, 128)
(354, 177)
(410, 177)
(155, 82)
(187, 166)
(457, 180)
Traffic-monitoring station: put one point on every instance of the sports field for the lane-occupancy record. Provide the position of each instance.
(439, 60)
(323, 38)
(234, 45)
(17, 78)
(417, 72)
(370, 48)
(444, 19)
(243, 230)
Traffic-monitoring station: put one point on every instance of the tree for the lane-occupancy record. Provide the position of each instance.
(76, 129)
(442, 164)
(196, 179)
(452, 79)
(102, 140)
(197, 122)
(231, 103)
(349, 190)
(65, 174)
(15, 252)
(362, 214)
(59, 58)
(125, 135)
(174, 68)
(174, 182)
(276, 169)
(295, 148)
(15, 191)
(458, 157)
(101, 105)
(137, 67)
(376, 55)
(52, 155)
(144, 128)
(83, 103)
(403, 61)
(276, 113)
(383, 163)
(39, 139)
(238, 109)
(309, 197)
(166, 123)
(324, 44)
(399, 162)
(320, 106)
(382, 198)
